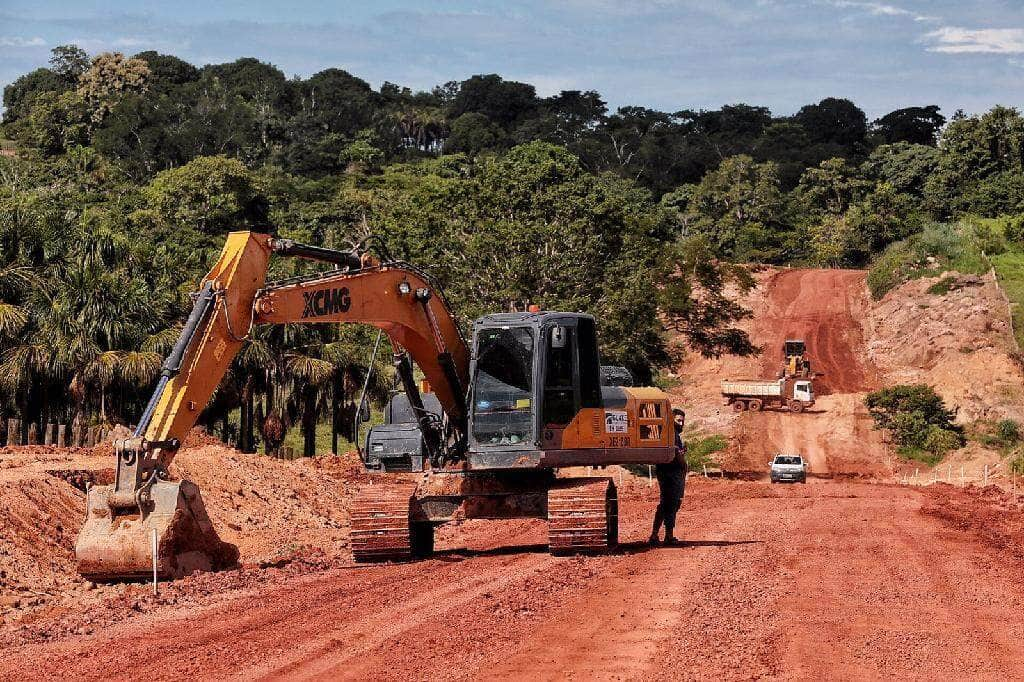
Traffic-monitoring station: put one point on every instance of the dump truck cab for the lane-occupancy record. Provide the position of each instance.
(804, 392)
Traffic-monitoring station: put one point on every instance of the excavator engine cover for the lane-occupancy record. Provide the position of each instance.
(118, 543)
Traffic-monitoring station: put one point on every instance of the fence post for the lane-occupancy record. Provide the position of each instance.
(33, 434)
(986, 475)
(62, 436)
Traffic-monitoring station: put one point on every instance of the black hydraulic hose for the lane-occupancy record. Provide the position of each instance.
(362, 397)
(172, 364)
(289, 247)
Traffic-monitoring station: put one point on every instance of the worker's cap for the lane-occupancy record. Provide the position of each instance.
(679, 411)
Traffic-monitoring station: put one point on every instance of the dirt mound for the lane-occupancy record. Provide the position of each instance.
(273, 510)
(990, 513)
(959, 342)
(39, 519)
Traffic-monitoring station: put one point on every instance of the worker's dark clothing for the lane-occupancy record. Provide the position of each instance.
(671, 486)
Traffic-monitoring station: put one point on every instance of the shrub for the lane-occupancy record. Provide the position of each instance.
(1017, 465)
(1013, 229)
(917, 418)
(1008, 431)
(699, 451)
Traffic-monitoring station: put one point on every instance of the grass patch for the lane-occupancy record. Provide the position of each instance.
(942, 287)
(938, 248)
(1010, 272)
(912, 454)
(1003, 435)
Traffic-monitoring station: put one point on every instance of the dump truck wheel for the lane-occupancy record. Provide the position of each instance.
(739, 406)
(754, 405)
(796, 406)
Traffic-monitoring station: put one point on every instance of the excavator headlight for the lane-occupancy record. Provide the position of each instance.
(404, 288)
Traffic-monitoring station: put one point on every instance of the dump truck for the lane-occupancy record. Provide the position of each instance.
(790, 393)
(507, 408)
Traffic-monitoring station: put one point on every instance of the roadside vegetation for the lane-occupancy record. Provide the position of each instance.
(123, 174)
(921, 426)
(701, 451)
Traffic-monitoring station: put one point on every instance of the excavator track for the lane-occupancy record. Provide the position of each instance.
(583, 516)
(382, 528)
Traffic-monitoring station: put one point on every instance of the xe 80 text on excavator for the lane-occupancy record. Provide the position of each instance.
(505, 412)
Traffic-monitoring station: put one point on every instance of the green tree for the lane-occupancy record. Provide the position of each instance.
(834, 120)
(472, 133)
(211, 194)
(913, 125)
(733, 206)
(108, 78)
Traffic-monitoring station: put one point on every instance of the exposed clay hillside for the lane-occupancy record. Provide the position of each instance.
(959, 342)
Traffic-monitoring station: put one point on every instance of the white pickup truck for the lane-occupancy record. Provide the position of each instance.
(788, 468)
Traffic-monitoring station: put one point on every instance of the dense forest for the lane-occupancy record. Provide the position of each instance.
(120, 176)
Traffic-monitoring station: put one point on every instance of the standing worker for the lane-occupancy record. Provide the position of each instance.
(671, 485)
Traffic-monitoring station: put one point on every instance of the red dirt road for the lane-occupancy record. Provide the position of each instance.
(825, 580)
(824, 308)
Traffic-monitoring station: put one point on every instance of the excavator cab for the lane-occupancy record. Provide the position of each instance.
(533, 376)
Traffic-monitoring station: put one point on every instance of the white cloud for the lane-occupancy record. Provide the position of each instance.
(18, 41)
(880, 9)
(952, 39)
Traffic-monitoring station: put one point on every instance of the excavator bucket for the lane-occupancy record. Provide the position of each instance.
(117, 543)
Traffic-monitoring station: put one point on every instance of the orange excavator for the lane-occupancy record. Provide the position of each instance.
(502, 416)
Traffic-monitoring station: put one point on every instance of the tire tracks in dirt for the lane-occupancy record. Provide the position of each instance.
(824, 308)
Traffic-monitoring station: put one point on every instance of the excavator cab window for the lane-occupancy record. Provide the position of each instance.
(503, 386)
(589, 363)
(559, 387)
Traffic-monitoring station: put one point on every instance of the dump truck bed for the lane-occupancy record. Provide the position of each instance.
(752, 387)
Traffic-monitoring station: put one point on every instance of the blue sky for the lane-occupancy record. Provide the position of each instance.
(665, 54)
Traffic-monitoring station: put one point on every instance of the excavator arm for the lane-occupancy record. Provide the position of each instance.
(234, 296)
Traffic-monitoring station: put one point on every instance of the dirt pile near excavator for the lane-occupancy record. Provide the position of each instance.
(273, 510)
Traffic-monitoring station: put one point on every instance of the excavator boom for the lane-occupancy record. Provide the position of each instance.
(116, 539)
